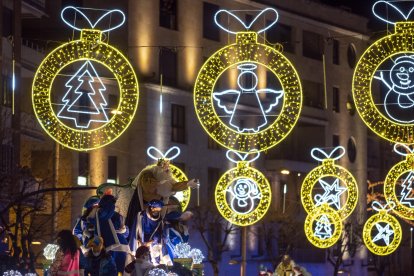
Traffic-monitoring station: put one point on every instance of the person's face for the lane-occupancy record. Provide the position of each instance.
(155, 211)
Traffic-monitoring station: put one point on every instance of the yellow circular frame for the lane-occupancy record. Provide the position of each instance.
(329, 169)
(243, 170)
(398, 43)
(333, 217)
(391, 181)
(180, 176)
(88, 47)
(247, 49)
(382, 216)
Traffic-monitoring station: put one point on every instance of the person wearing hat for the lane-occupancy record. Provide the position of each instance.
(175, 230)
(98, 261)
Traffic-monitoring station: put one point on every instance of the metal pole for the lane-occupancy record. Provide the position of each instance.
(243, 245)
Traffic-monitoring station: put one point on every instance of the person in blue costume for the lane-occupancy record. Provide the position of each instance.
(175, 230)
(109, 225)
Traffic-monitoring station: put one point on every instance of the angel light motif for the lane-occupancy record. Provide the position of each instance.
(399, 100)
(247, 93)
(244, 192)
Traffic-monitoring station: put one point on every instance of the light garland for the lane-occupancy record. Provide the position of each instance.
(243, 194)
(88, 49)
(248, 52)
(320, 174)
(396, 123)
(197, 256)
(391, 228)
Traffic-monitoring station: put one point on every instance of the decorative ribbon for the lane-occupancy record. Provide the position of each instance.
(408, 150)
(242, 157)
(93, 25)
(247, 27)
(394, 9)
(377, 206)
(335, 154)
(156, 154)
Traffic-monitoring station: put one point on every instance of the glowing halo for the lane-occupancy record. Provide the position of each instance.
(325, 215)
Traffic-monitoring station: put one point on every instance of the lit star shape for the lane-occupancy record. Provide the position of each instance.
(384, 233)
(331, 195)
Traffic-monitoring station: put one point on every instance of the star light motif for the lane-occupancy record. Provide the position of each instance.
(384, 233)
(331, 195)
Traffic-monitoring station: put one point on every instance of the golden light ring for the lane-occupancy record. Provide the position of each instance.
(329, 169)
(333, 217)
(401, 42)
(382, 216)
(247, 49)
(89, 47)
(180, 176)
(390, 183)
(243, 171)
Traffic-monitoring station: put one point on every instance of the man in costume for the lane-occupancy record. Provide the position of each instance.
(175, 230)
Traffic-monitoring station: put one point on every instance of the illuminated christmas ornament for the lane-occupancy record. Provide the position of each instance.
(243, 194)
(402, 173)
(178, 175)
(382, 233)
(247, 114)
(323, 226)
(50, 251)
(334, 181)
(388, 64)
(82, 118)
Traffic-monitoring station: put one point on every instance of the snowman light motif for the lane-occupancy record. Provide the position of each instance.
(244, 193)
(248, 93)
(399, 100)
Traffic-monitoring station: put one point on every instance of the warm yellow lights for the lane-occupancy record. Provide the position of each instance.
(88, 48)
(248, 51)
(323, 226)
(180, 176)
(386, 124)
(243, 195)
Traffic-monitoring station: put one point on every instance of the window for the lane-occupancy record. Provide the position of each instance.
(214, 238)
(335, 140)
(313, 45)
(212, 144)
(352, 151)
(335, 52)
(335, 100)
(6, 91)
(168, 66)
(6, 159)
(178, 123)
(112, 169)
(168, 14)
(7, 22)
(213, 176)
(283, 35)
(351, 55)
(313, 94)
(210, 30)
(83, 168)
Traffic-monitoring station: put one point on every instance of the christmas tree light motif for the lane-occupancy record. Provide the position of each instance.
(323, 229)
(82, 98)
(407, 195)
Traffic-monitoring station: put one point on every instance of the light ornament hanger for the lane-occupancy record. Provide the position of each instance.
(387, 230)
(247, 54)
(178, 175)
(243, 194)
(330, 176)
(401, 173)
(90, 50)
(323, 226)
(389, 61)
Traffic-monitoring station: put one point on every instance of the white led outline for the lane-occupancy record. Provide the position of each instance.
(381, 236)
(377, 206)
(326, 197)
(406, 147)
(247, 68)
(247, 27)
(163, 155)
(397, 90)
(405, 16)
(324, 220)
(67, 108)
(328, 155)
(404, 200)
(242, 200)
(90, 23)
(242, 157)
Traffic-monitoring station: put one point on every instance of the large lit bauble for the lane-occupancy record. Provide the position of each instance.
(387, 228)
(89, 47)
(247, 51)
(243, 195)
(395, 125)
(315, 223)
